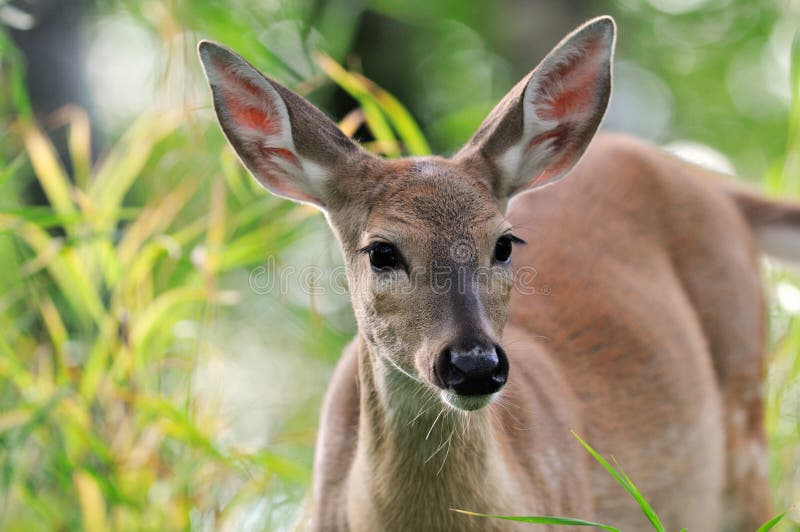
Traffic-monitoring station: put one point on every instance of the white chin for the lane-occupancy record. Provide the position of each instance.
(466, 402)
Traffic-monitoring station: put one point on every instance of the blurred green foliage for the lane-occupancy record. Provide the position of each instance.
(147, 380)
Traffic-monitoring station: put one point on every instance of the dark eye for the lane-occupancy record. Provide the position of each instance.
(502, 250)
(383, 256)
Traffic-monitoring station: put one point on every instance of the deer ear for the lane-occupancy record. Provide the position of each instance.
(288, 145)
(541, 128)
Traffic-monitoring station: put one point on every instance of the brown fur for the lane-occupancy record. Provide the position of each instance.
(645, 335)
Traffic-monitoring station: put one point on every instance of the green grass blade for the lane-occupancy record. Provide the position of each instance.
(375, 119)
(10, 170)
(376, 100)
(401, 119)
(771, 523)
(161, 311)
(407, 128)
(79, 140)
(542, 520)
(94, 369)
(63, 265)
(383, 113)
(626, 483)
(791, 163)
(92, 501)
(155, 218)
(19, 94)
(49, 171)
(124, 165)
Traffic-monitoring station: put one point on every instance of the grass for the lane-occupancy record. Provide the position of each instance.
(95, 380)
(624, 481)
(100, 427)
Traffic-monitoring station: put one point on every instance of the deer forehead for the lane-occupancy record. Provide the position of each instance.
(432, 200)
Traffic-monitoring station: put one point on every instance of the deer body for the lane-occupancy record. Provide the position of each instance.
(615, 343)
(633, 316)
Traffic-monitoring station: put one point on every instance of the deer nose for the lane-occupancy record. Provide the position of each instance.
(475, 370)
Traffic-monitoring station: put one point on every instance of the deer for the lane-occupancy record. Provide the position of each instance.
(640, 324)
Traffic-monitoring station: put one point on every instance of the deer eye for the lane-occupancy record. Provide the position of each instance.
(502, 249)
(382, 256)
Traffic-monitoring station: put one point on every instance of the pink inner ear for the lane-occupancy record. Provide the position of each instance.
(248, 105)
(567, 95)
(252, 117)
(281, 154)
(256, 120)
(569, 90)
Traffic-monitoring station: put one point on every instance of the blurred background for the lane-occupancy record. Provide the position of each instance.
(163, 350)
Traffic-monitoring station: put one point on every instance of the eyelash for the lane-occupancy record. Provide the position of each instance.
(503, 248)
(514, 238)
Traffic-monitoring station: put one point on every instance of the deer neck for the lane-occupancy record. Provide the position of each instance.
(413, 451)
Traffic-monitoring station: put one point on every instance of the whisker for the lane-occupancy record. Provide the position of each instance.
(401, 370)
(422, 409)
(434, 424)
(447, 452)
(444, 442)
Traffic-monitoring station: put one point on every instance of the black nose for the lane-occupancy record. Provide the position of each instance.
(475, 370)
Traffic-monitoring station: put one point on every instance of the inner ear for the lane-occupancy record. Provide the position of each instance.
(541, 128)
(564, 103)
(288, 145)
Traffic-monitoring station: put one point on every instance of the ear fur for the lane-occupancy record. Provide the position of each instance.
(541, 128)
(288, 145)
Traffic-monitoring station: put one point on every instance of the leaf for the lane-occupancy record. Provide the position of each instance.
(19, 94)
(56, 329)
(791, 163)
(542, 520)
(93, 508)
(771, 523)
(13, 419)
(10, 170)
(48, 169)
(351, 122)
(94, 368)
(79, 140)
(65, 267)
(161, 312)
(153, 220)
(626, 483)
(11, 367)
(376, 121)
(124, 165)
(215, 234)
(366, 91)
(178, 425)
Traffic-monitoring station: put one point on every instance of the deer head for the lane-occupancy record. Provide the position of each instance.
(426, 244)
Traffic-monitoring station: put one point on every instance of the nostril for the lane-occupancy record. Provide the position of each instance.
(454, 377)
(447, 374)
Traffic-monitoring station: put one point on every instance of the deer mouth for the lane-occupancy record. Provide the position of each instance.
(467, 403)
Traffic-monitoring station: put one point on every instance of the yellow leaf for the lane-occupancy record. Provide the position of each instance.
(93, 506)
(48, 170)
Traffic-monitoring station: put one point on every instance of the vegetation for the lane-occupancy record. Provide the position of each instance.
(149, 378)
(625, 481)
